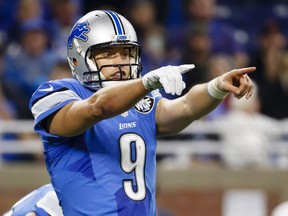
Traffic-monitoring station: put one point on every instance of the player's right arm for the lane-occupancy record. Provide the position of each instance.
(60, 111)
(79, 115)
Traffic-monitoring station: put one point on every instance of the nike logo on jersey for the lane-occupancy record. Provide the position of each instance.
(47, 89)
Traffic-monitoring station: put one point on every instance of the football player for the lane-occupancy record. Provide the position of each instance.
(99, 128)
(40, 202)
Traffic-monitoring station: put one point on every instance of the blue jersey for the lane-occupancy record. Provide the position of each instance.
(43, 201)
(110, 169)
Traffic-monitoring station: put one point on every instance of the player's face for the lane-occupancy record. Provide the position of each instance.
(114, 56)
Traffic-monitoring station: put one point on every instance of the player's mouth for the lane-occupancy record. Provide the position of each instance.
(119, 75)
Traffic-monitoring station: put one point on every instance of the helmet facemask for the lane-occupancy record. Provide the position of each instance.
(95, 77)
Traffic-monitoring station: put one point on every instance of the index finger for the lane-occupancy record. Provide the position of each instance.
(243, 71)
(186, 67)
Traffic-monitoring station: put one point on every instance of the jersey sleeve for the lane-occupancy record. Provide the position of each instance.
(49, 98)
(50, 204)
(37, 201)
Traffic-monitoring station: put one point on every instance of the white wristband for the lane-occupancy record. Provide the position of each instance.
(214, 91)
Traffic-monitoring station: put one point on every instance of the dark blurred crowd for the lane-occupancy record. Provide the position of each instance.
(216, 36)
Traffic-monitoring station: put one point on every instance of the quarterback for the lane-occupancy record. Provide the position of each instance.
(99, 128)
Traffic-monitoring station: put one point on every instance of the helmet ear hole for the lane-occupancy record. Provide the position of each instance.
(75, 63)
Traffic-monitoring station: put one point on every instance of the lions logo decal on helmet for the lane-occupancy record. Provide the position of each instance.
(79, 31)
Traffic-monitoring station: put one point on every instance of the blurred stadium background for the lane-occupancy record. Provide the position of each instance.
(233, 162)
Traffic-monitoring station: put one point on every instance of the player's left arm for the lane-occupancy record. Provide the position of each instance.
(172, 116)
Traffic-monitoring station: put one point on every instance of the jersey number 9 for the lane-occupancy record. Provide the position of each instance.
(135, 164)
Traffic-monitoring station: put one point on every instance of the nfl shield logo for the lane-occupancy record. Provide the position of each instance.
(125, 114)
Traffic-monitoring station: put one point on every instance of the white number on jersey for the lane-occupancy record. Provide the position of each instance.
(135, 165)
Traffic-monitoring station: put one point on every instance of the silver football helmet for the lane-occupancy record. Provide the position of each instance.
(95, 30)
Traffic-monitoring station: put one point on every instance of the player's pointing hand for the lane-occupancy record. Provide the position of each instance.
(235, 81)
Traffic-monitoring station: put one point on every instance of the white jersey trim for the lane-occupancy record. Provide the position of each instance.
(50, 204)
(52, 100)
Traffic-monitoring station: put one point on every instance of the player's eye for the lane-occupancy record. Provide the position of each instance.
(126, 53)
